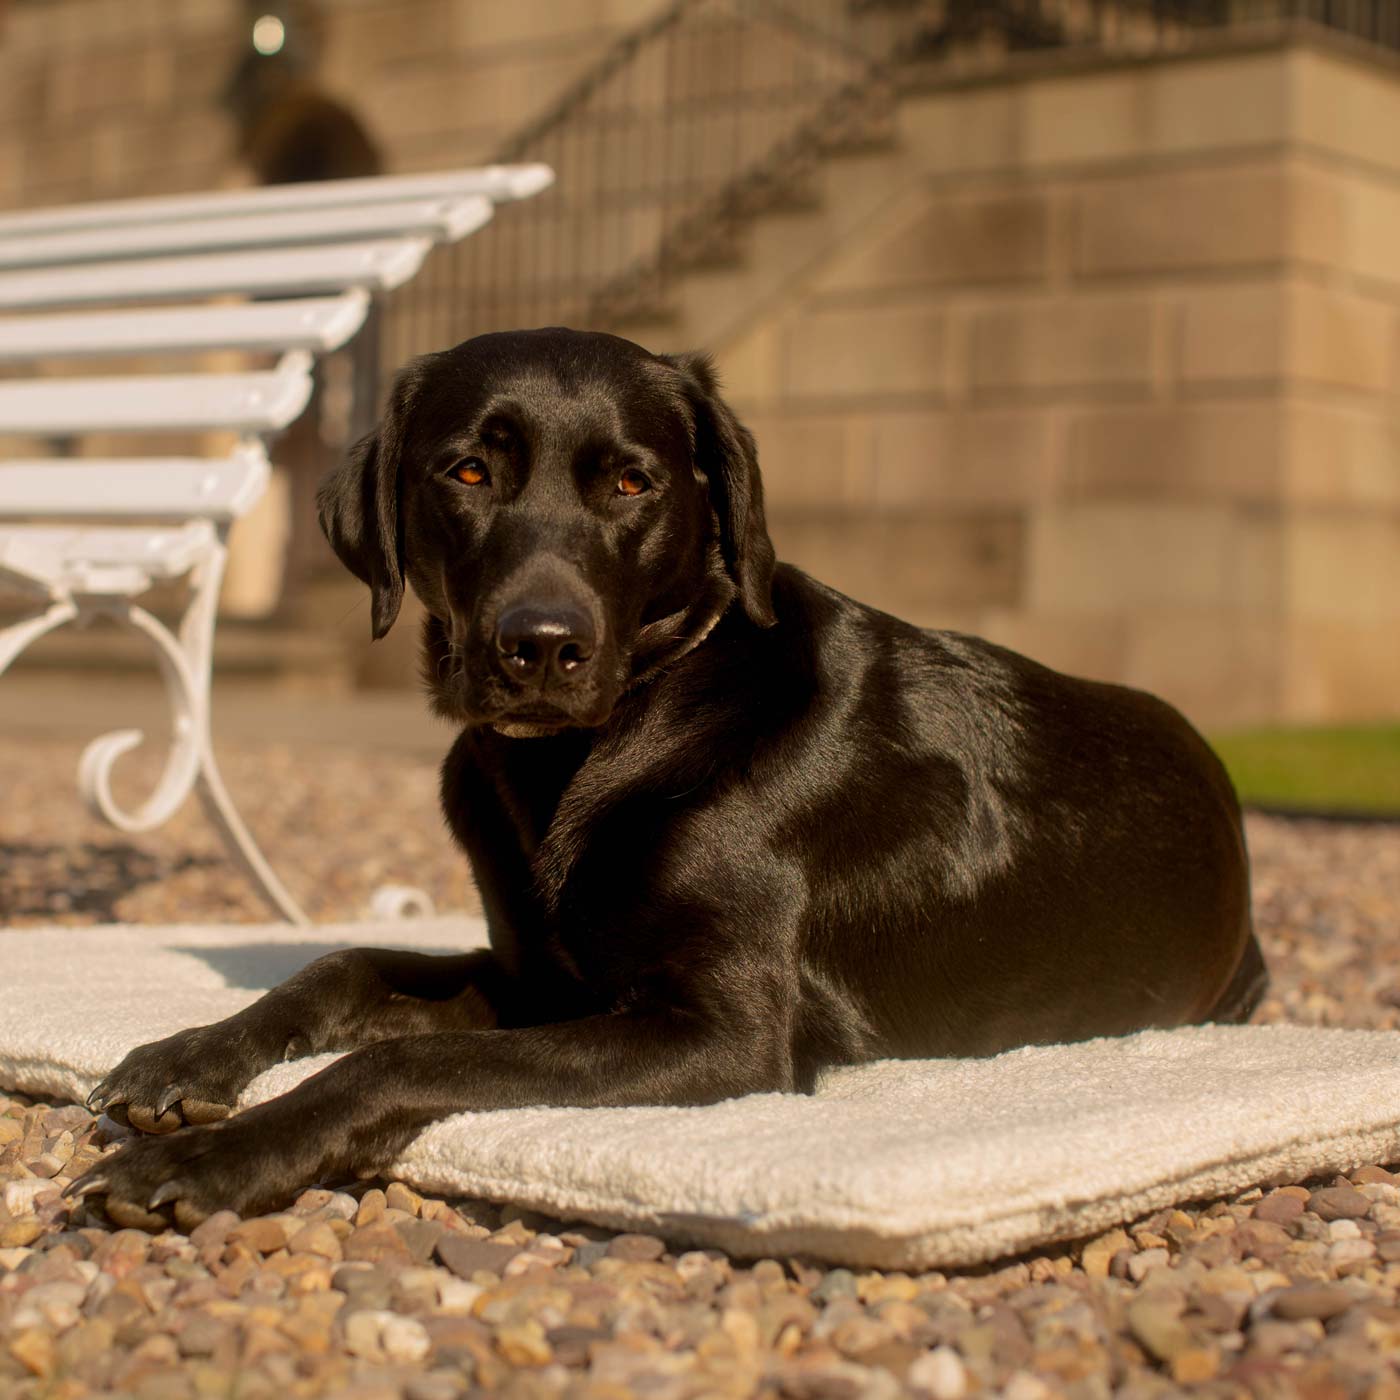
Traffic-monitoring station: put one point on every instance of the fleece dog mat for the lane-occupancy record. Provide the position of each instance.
(898, 1164)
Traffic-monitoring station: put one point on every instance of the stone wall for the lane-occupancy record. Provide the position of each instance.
(1113, 380)
(1108, 371)
(109, 98)
(104, 98)
(440, 82)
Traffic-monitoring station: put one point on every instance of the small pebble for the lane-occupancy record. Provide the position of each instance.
(1373, 1176)
(363, 1330)
(1339, 1203)
(525, 1344)
(21, 1231)
(23, 1196)
(466, 1257)
(404, 1339)
(1279, 1207)
(215, 1230)
(1098, 1254)
(420, 1237)
(432, 1386)
(587, 1254)
(938, 1374)
(1140, 1265)
(636, 1248)
(263, 1233)
(377, 1244)
(837, 1283)
(1351, 1252)
(1318, 1300)
(34, 1350)
(371, 1208)
(319, 1239)
(397, 1196)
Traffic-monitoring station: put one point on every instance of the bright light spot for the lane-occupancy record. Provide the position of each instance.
(269, 34)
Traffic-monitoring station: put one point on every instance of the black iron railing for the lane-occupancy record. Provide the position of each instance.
(681, 118)
(719, 109)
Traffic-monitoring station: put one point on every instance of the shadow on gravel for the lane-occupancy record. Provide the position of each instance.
(59, 880)
(256, 967)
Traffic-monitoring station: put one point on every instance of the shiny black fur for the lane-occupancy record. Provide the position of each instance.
(745, 829)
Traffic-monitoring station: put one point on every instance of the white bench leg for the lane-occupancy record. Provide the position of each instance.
(186, 668)
(219, 805)
(185, 663)
(18, 635)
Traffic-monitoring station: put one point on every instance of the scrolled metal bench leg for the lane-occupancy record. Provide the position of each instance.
(185, 664)
(19, 635)
(219, 805)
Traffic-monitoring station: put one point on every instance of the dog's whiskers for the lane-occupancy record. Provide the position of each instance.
(454, 658)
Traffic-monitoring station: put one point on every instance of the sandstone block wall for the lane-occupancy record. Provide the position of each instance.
(1114, 380)
(109, 98)
(1100, 363)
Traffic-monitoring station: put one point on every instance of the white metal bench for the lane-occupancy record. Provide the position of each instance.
(295, 268)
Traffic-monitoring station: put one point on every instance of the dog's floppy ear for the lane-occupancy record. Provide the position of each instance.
(725, 451)
(358, 506)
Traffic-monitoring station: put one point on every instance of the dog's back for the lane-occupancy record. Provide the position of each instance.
(991, 853)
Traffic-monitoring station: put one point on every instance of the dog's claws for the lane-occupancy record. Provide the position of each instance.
(101, 1097)
(92, 1184)
(167, 1191)
(170, 1096)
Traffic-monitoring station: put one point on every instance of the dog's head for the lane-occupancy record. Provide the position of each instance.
(573, 512)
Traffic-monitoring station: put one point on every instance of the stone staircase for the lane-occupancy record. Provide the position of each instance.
(722, 145)
(712, 305)
(937, 504)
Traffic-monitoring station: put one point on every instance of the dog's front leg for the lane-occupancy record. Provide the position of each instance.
(355, 1117)
(342, 1001)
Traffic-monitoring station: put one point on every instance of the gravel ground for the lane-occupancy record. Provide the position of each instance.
(380, 1293)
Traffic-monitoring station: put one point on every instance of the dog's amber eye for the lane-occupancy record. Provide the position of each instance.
(632, 483)
(471, 472)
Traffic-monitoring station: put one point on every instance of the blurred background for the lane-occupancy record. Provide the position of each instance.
(1072, 323)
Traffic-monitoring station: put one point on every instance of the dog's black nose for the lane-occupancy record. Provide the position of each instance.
(537, 645)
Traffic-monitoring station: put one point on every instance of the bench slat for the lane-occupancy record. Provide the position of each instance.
(313, 323)
(378, 266)
(496, 182)
(253, 403)
(108, 559)
(152, 488)
(442, 220)
(85, 537)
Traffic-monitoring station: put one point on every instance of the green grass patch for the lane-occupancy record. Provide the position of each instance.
(1352, 769)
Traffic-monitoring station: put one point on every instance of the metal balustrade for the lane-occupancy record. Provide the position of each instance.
(716, 110)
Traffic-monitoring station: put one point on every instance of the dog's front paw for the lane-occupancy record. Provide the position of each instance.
(193, 1077)
(186, 1176)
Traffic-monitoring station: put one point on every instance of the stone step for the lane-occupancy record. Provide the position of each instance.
(711, 306)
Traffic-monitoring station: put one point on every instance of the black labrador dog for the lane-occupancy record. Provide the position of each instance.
(729, 826)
